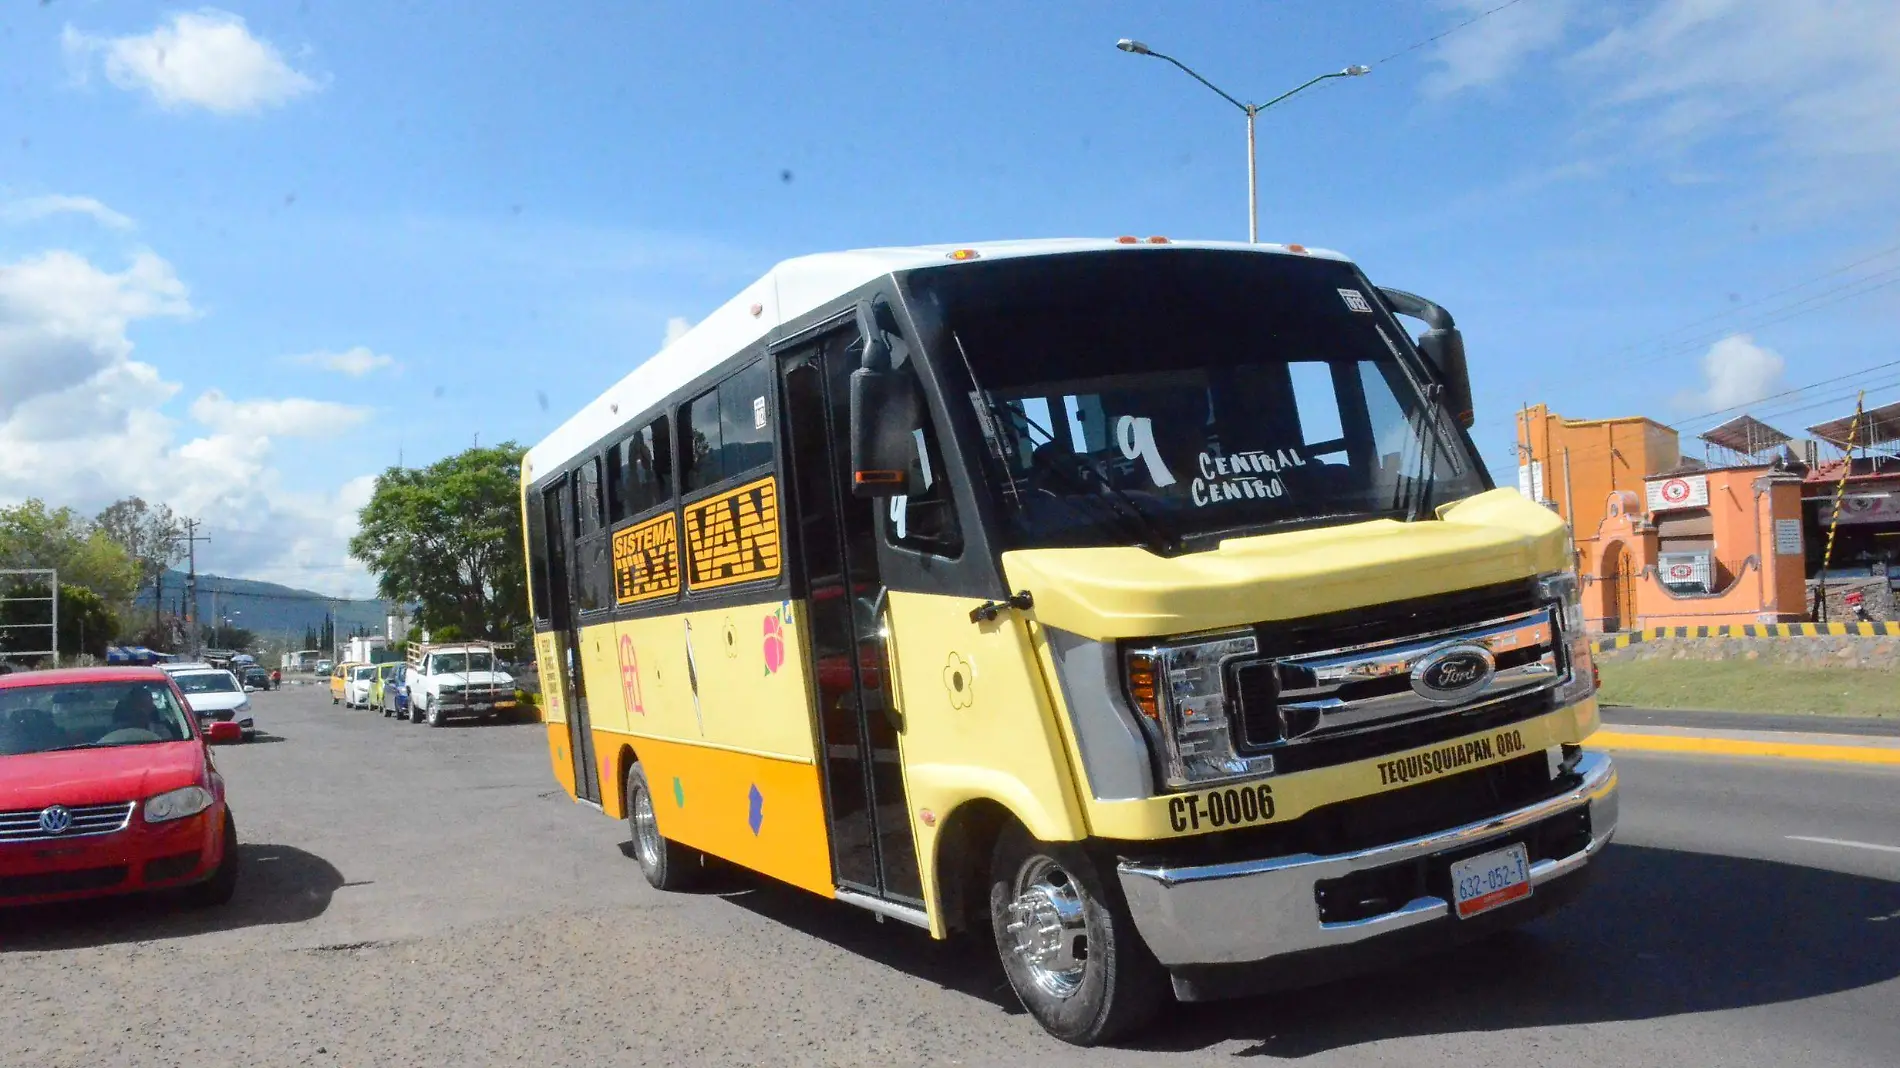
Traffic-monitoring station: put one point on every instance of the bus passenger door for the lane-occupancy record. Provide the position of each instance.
(868, 817)
(565, 613)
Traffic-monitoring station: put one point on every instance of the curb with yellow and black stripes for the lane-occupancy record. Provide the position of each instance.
(1750, 630)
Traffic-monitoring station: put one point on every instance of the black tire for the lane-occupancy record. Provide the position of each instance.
(666, 864)
(217, 890)
(436, 718)
(333, 699)
(1107, 985)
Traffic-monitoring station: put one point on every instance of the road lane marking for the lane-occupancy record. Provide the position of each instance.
(1680, 743)
(1843, 842)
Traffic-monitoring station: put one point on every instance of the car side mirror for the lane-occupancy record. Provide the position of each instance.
(1444, 346)
(223, 733)
(885, 413)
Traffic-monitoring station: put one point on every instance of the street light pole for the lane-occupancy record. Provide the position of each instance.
(1252, 111)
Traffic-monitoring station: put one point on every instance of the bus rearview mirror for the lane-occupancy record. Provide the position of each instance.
(884, 415)
(1446, 349)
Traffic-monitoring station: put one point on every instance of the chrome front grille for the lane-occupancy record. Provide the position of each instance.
(1336, 693)
(87, 820)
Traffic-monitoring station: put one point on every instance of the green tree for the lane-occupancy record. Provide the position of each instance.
(152, 537)
(228, 637)
(86, 623)
(35, 536)
(448, 538)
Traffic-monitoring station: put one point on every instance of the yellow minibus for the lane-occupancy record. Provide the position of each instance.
(1141, 606)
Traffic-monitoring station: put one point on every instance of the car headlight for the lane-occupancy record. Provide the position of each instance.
(177, 804)
(1179, 688)
(1560, 591)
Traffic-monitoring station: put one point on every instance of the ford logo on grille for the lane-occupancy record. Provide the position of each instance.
(1452, 673)
(56, 819)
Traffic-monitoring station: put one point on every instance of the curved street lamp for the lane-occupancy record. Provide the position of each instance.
(1251, 110)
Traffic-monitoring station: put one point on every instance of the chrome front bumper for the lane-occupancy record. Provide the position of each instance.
(1253, 910)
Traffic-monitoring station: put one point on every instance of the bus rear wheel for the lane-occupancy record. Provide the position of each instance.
(666, 864)
(1068, 944)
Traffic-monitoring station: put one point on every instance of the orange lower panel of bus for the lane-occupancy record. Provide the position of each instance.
(764, 813)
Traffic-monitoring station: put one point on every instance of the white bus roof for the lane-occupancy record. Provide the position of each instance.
(789, 290)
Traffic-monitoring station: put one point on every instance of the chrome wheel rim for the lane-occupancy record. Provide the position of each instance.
(1048, 927)
(646, 829)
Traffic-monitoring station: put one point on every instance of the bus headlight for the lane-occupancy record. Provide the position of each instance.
(1179, 688)
(1559, 590)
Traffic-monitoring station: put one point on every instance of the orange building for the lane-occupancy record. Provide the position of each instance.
(1574, 465)
(1661, 542)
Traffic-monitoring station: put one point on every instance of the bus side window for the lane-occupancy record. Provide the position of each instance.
(640, 472)
(538, 556)
(590, 541)
(727, 430)
(926, 520)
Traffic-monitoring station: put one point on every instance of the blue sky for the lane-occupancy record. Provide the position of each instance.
(250, 255)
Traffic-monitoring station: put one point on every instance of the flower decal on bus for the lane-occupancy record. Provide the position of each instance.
(630, 676)
(959, 681)
(774, 647)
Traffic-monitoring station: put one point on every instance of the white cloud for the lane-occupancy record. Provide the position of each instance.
(1736, 371)
(1496, 46)
(1818, 79)
(82, 423)
(291, 417)
(63, 319)
(676, 328)
(355, 362)
(206, 58)
(31, 209)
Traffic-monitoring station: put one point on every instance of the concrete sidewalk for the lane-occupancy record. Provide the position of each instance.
(1619, 716)
(1792, 745)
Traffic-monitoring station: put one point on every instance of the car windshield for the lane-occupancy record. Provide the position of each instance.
(1163, 395)
(365, 673)
(456, 663)
(40, 719)
(206, 682)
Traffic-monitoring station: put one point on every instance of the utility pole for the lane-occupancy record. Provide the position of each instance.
(192, 538)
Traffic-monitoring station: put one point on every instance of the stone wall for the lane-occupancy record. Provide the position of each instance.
(1826, 651)
(1876, 599)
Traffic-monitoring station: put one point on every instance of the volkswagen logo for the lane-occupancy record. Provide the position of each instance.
(56, 819)
(1452, 673)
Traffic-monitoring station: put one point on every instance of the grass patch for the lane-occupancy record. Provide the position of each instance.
(1751, 686)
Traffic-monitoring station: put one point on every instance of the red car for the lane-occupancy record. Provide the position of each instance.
(107, 787)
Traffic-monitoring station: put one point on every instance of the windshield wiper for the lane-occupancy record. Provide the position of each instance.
(68, 748)
(1430, 436)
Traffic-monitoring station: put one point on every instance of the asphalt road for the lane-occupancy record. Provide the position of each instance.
(428, 897)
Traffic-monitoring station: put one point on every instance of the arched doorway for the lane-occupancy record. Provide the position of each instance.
(1619, 588)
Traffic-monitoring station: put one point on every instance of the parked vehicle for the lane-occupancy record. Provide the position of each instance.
(394, 698)
(215, 694)
(339, 681)
(324, 667)
(107, 787)
(254, 678)
(356, 686)
(376, 684)
(457, 681)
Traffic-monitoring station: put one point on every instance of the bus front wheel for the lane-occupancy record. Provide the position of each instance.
(666, 864)
(1067, 943)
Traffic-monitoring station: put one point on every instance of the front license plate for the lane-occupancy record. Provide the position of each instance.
(1481, 884)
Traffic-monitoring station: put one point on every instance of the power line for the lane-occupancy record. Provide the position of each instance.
(1479, 17)
(1793, 310)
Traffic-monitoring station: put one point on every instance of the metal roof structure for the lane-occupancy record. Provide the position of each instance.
(1878, 426)
(1745, 434)
(788, 291)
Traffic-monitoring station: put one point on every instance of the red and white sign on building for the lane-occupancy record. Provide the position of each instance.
(1685, 491)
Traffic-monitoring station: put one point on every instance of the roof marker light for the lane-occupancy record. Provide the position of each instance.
(1128, 239)
(1158, 241)
(965, 254)
(1296, 248)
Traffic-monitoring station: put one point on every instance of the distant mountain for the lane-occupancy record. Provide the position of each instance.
(266, 608)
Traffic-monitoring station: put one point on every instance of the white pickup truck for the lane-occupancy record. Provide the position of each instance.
(457, 681)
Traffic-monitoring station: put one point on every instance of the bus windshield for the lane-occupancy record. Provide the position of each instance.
(1169, 396)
